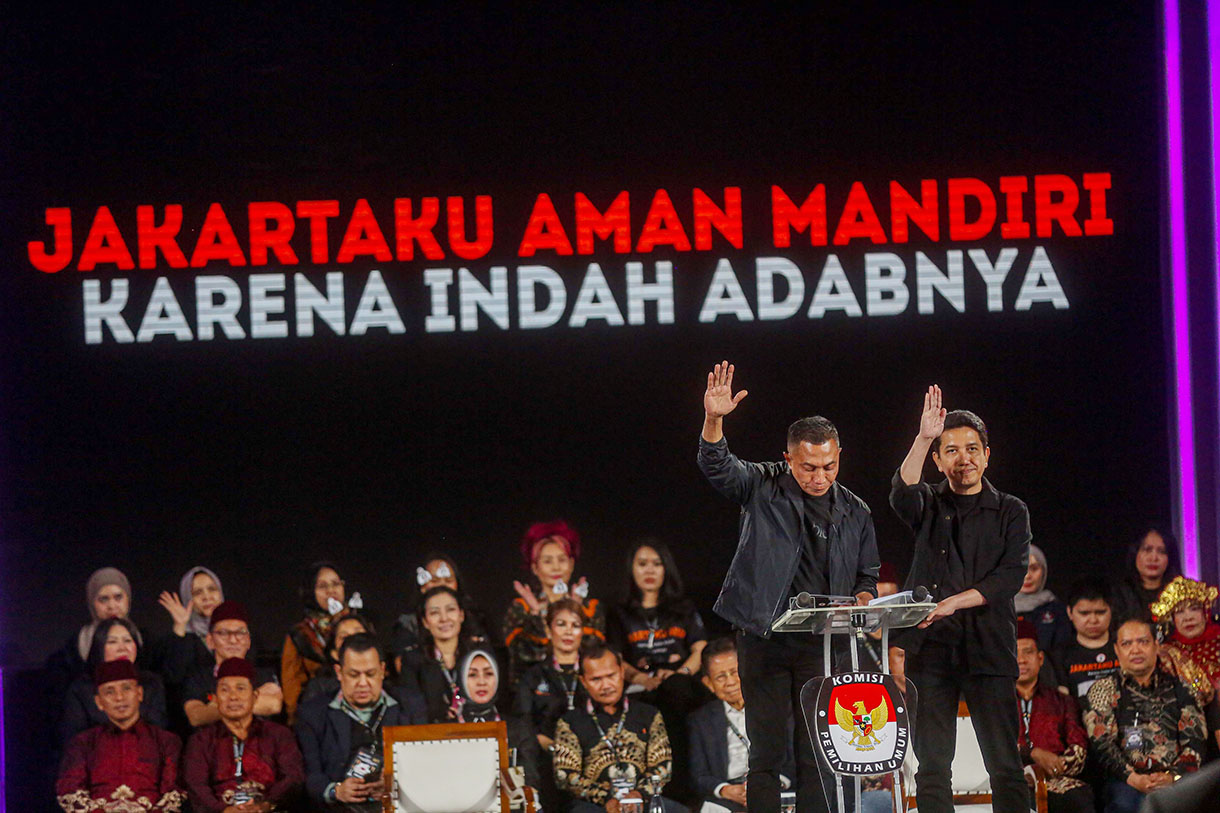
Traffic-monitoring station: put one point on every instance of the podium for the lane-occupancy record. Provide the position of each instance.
(859, 721)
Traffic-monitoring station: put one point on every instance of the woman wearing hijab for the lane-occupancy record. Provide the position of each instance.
(479, 686)
(324, 595)
(184, 652)
(114, 639)
(1040, 607)
(107, 595)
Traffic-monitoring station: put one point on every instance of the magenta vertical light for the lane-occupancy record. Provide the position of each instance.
(1188, 504)
(2, 754)
(1213, 82)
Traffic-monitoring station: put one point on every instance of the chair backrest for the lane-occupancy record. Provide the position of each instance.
(447, 768)
(971, 783)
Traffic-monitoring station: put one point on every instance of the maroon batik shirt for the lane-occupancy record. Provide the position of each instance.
(271, 763)
(120, 771)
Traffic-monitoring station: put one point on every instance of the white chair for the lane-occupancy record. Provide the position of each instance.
(971, 785)
(449, 768)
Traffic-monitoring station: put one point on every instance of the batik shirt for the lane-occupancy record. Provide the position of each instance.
(219, 770)
(598, 753)
(1148, 729)
(120, 771)
(1051, 721)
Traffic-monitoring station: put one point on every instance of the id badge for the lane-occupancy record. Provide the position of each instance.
(1133, 738)
(364, 764)
(242, 795)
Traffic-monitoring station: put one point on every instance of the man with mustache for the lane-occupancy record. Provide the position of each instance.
(971, 552)
(1144, 724)
(125, 761)
(241, 762)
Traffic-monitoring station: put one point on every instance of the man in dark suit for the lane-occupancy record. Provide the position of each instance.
(719, 746)
(799, 530)
(340, 737)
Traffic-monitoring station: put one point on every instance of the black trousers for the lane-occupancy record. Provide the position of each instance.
(940, 679)
(772, 673)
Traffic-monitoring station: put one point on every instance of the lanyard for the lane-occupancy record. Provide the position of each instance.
(1027, 708)
(374, 722)
(615, 730)
(744, 740)
(570, 691)
(239, 751)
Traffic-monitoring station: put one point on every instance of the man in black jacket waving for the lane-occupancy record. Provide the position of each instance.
(799, 531)
(971, 551)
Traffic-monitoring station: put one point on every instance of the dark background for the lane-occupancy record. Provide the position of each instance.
(258, 456)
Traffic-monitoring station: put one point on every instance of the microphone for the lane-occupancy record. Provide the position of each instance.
(917, 596)
(805, 601)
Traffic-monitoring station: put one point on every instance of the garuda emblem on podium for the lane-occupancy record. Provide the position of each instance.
(862, 724)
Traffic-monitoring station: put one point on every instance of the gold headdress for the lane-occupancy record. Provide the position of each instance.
(1179, 590)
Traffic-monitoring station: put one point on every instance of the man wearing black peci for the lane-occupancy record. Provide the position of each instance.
(799, 530)
(971, 550)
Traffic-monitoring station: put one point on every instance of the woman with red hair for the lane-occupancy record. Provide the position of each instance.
(549, 550)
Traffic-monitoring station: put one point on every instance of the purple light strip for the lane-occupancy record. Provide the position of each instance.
(1188, 503)
(1213, 65)
(2, 755)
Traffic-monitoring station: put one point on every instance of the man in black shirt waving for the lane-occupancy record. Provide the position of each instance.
(799, 530)
(971, 551)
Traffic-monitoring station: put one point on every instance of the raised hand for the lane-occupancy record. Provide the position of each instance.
(527, 595)
(719, 400)
(932, 421)
(181, 614)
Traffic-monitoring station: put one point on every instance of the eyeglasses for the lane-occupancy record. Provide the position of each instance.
(231, 635)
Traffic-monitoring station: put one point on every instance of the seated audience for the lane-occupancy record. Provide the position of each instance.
(1151, 563)
(480, 685)
(325, 683)
(438, 570)
(228, 637)
(1187, 603)
(241, 762)
(324, 595)
(113, 639)
(185, 649)
(549, 689)
(1144, 726)
(1050, 736)
(657, 628)
(661, 637)
(107, 595)
(125, 763)
(1040, 606)
(550, 551)
(432, 668)
(1089, 654)
(719, 747)
(340, 738)
(611, 749)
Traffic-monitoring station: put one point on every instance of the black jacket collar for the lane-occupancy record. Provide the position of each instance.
(838, 499)
(988, 497)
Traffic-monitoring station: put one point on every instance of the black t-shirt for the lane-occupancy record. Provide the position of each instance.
(813, 570)
(1077, 667)
(652, 640)
(201, 683)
